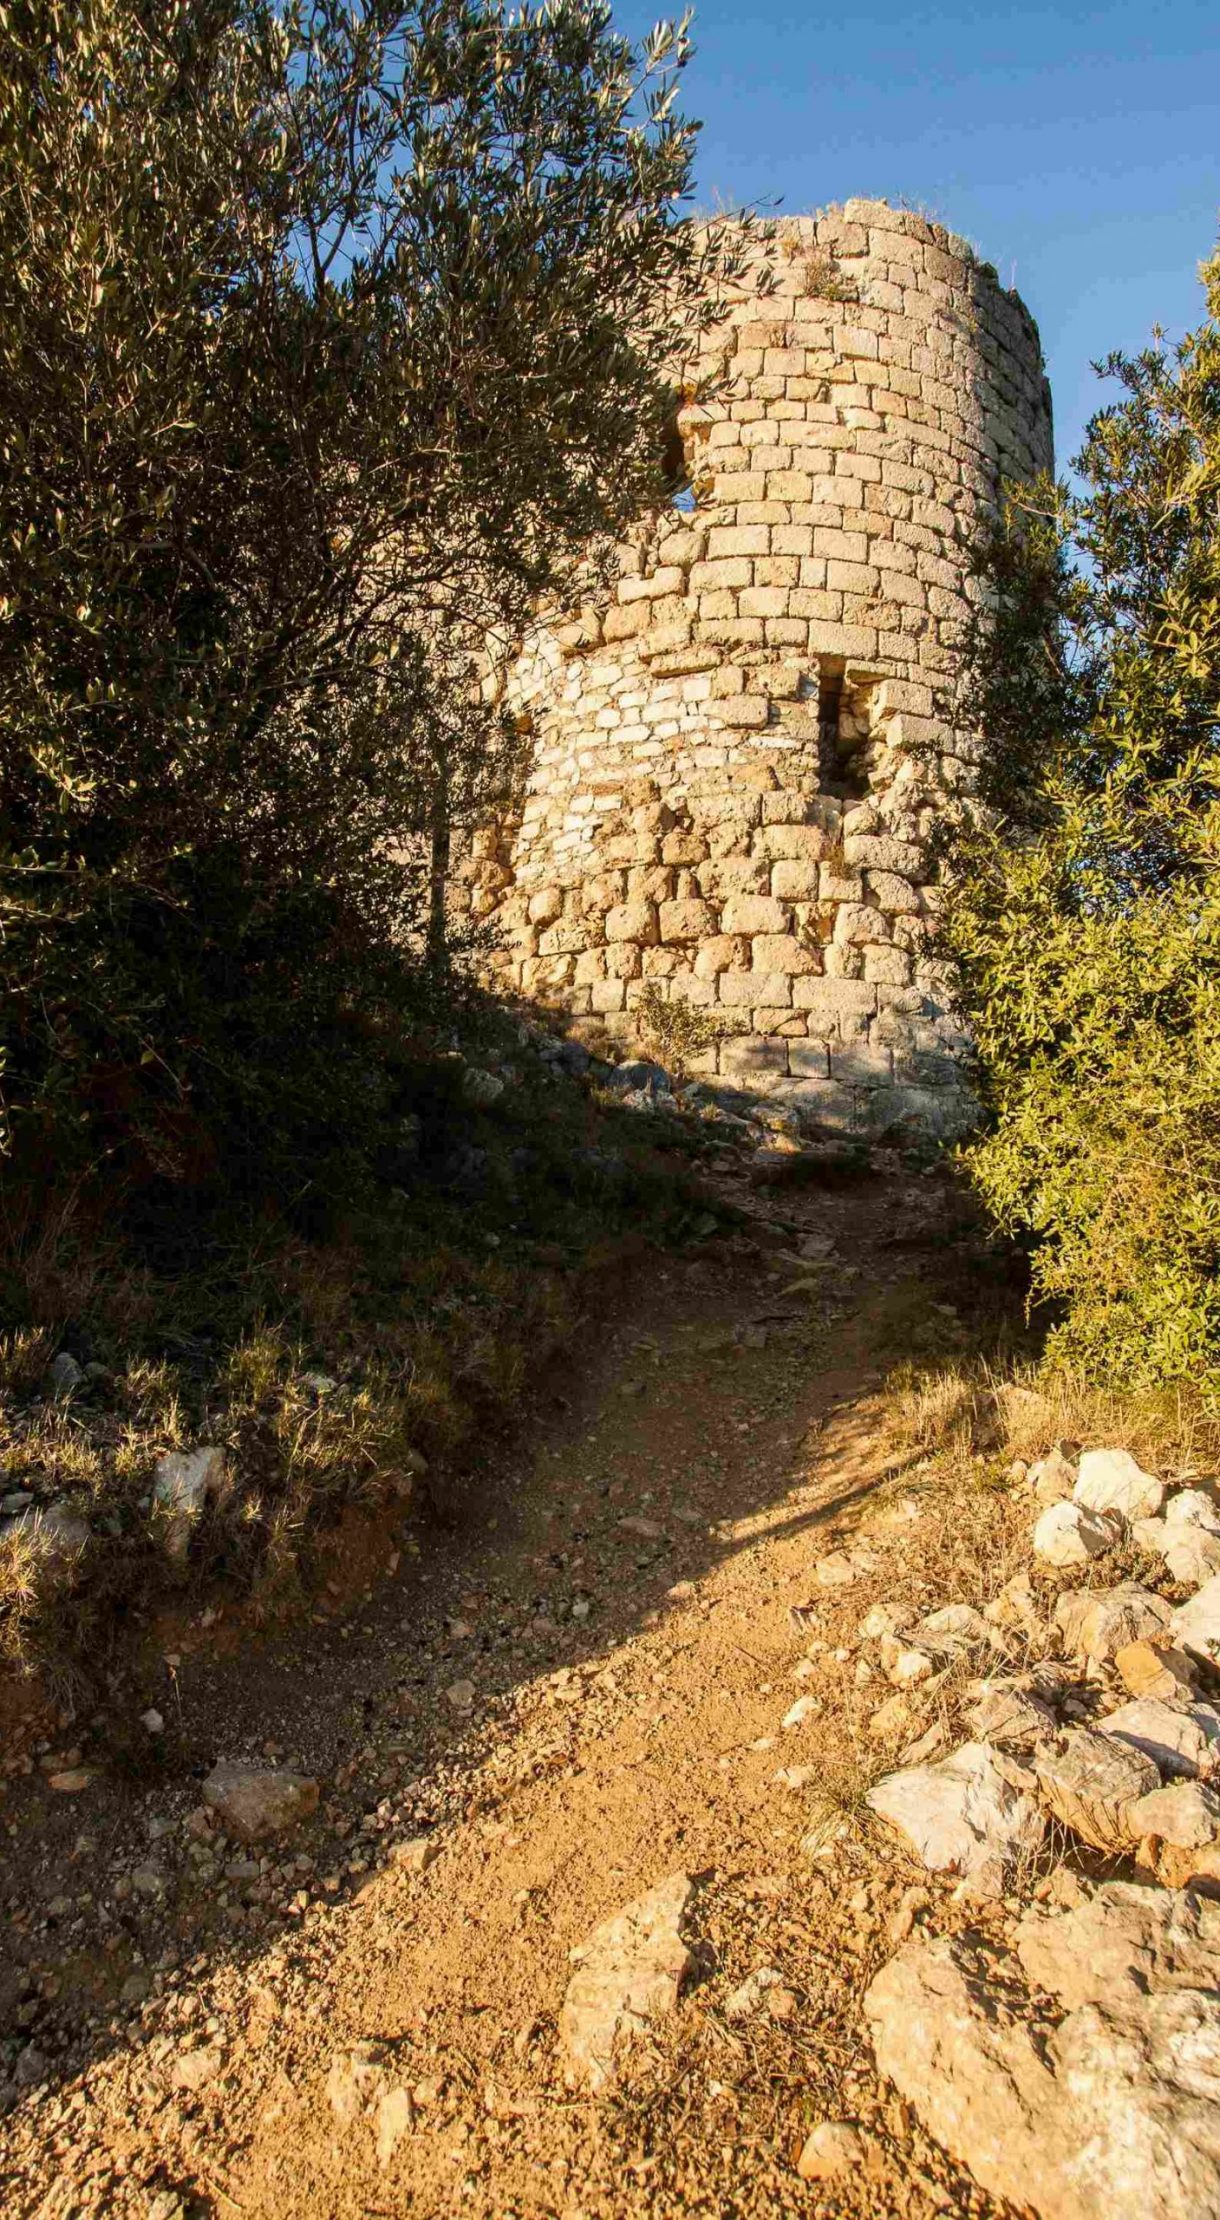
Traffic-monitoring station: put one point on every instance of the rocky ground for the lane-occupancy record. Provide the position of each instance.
(732, 1815)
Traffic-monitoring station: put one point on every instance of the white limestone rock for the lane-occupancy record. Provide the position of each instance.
(1015, 1607)
(1098, 1622)
(185, 1481)
(1183, 1740)
(253, 1802)
(629, 1973)
(1195, 1625)
(905, 1663)
(1119, 1943)
(1185, 1816)
(1090, 1780)
(54, 1535)
(1190, 1552)
(1193, 1507)
(833, 2149)
(1004, 1713)
(1069, 1534)
(955, 1628)
(1052, 1478)
(885, 1618)
(960, 1815)
(1111, 1480)
(1119, 2112)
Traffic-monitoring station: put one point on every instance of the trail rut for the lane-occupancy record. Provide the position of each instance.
(575, 1693)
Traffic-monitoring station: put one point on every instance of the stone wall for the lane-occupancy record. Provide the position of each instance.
(738, 759)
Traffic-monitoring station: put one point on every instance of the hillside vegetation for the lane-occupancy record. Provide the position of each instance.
(1085, 919)
(330, 340)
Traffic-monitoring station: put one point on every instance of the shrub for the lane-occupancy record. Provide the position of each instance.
(1085, 909)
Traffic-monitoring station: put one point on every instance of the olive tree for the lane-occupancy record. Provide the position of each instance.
(334, 335)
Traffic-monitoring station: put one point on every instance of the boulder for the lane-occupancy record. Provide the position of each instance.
(1117, 2115)
(1155, 1669)
(1111, 1480)
(254, 1803)
(1003, 1712)
(1186, 1816)
(1183, 1740)
(184, 1482)
(1195, 1626)
(1097, 1622)
(629, 1973)
(1015, 1608)
(53, 1534)
(1121, 1942)
(1189, 1552)
(64, 1376)
(1089, 1781)
(1070, 1534)
(1053, 1478)
(959, 1816)
(833, 2149)
(904, 1663)
(1193, 1507)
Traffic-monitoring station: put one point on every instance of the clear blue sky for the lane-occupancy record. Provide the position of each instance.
(1077, 147)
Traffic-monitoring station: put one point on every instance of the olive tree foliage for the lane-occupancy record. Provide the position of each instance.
(1085, 908)
(333, 335)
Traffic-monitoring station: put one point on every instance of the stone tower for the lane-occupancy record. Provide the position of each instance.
(738, 761)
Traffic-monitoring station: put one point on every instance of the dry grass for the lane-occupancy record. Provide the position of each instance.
(1018, 1410)
(429, 1315)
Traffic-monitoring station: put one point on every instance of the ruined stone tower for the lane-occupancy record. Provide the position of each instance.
(738, 760)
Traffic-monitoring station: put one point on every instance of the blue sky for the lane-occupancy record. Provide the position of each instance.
(1077, 147)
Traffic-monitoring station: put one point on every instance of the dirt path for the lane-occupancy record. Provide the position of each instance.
(574, 1695)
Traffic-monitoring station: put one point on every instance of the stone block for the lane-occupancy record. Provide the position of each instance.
(887, 967)
(635, 921)
(668, 580)
(546, 905)
(607, 995)
(862, 1066)
(748, 712)
(690, 920)
(738, 539)
(856, 925)
(751, 1053)
(754, 913)
(809, 1059)
(794, 880)
(784, 953)
(625, 623)
(730, 875)
(722, 575)
(886, 891)
(819, 1102)
(808, 842)
(743, 990)
(720, 953)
